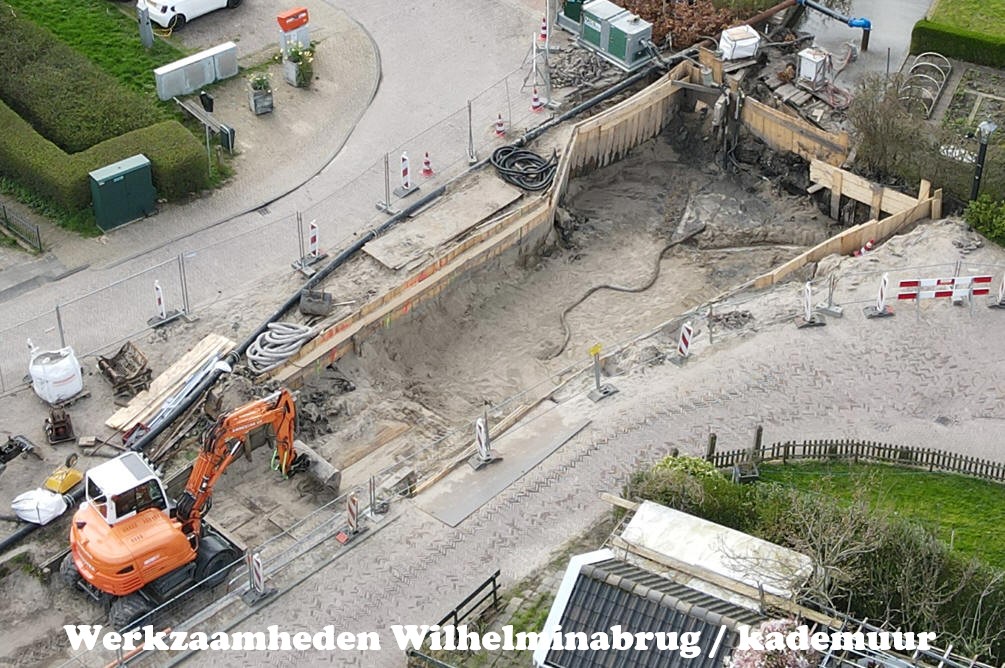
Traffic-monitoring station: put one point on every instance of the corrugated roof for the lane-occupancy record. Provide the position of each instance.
(614, 592)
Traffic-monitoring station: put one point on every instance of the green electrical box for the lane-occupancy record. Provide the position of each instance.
(628, 36)
(122, 192)
(572, 9)
(597, 17)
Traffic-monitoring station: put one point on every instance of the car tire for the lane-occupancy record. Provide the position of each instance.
(177, 22)
(233, 4)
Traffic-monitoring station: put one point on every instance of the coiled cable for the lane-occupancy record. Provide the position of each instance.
(525, 169)
(277, 344)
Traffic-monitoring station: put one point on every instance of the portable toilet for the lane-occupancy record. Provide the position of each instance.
(626, 43)
(595, 28)
(123, 192)
(739, 42)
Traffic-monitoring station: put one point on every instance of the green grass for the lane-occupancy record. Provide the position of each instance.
(983, 16)
(109, 37)
(81, 222)
(966, 512)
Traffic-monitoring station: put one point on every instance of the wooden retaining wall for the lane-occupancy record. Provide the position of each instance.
(785, 132)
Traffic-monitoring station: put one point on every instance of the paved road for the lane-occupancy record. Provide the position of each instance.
(877, 380)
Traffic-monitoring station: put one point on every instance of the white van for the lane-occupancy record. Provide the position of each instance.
(174, 14)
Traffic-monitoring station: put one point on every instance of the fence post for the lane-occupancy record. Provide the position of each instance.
(710, 449)
(59, 326)
(185, 306)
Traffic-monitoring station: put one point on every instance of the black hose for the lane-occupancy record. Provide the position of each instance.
(525, 169)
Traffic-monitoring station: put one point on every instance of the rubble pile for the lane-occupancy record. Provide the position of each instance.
(576, 67)
(733, 319)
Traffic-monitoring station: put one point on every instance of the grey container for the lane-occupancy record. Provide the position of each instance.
(596, 22)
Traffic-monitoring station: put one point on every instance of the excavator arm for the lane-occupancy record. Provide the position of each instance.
(225, 441)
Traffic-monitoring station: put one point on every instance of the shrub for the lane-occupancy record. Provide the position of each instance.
(954, 42)
(64, 96)
(177, 160)
(987, 217)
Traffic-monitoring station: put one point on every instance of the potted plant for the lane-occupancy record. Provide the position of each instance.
(260, 93)
(298, 67)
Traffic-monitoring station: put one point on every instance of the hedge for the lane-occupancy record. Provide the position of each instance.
(61, 93)
(953, 42)
(177, 159)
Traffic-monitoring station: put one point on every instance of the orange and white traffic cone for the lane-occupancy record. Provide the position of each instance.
(865, 249)
(536, 104)
(500, 127)
(543, 35)
(427, 166)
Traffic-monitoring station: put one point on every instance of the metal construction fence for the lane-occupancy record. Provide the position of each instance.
(25, 230)
(99, 320)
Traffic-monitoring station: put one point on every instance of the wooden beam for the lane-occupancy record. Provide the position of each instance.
(618, 501)
(837, 179)
(815, 188)
(876, 205)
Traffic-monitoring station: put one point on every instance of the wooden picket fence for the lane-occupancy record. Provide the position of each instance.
(864, 451)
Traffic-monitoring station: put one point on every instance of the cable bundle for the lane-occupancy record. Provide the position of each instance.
(524, 169)
(276, 344)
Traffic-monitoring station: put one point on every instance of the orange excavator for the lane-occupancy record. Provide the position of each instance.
(132, 547)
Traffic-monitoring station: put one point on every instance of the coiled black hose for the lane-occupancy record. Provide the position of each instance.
(525, 169)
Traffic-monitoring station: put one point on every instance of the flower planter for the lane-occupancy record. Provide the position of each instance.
(260, 101)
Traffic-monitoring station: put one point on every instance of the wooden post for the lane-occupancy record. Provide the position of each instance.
(937, 205)
(710, 450)
(836, 178)
(876, 206)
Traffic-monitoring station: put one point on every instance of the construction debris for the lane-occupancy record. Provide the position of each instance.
(126, 370)
(577, 67)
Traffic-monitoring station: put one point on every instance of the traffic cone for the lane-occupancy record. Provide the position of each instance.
(427, 166)
(865, 249)
(535, 103)
(543, 35)
(500, 127)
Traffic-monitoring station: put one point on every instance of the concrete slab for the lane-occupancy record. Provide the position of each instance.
(465, 490)
(456, 212)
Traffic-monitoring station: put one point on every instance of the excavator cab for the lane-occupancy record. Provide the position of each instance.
(123, 487)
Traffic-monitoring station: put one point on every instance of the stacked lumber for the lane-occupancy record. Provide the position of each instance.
(146, 404)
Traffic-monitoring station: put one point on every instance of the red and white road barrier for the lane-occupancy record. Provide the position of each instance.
(313, 247)
(352, 513)
(865, 249)
(884, 283)
(256, 574)
(536, 104)
(500, 127)
(1001, 295)
(957, 287)
(427, 165)
(406, 181)
(159, 296)
(482, 439)
(684, 342)
(543, 35)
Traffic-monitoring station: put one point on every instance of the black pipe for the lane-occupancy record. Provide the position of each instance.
(235, 355)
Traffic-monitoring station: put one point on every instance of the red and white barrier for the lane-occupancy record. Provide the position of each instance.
(256, 574)
(536, 104)
(352, 513)
(427, 165)
(406, 181)
(313, 247)
(500, 127)
(543, 35)
(957, 287)
(684, 342)
(159, 296)
(1001, 295)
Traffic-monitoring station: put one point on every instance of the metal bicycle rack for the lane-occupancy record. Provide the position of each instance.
(925, 81)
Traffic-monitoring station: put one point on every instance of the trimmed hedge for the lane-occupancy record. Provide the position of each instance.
(62, 94)
(176, 157)
(953, 42)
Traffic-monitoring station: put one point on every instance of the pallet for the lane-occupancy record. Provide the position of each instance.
(147, 403)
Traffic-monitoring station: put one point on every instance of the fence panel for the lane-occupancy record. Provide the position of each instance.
(24, 230)
(42, 330)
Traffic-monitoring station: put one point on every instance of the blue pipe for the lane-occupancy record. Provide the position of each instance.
(865, 24)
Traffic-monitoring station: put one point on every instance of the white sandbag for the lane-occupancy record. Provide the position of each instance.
(39, 506)
(55, 374)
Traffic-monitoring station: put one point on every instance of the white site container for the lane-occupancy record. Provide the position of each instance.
(813, 68)
(55, 375)
(739, 42)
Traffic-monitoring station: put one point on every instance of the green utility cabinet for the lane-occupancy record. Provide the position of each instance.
(597, 17)
(628, 34)
(122, 192)
(570, 15)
